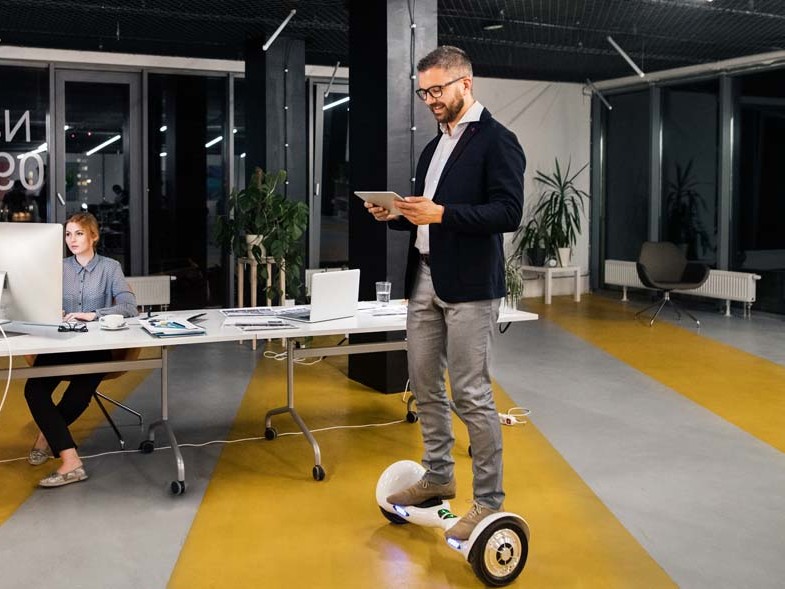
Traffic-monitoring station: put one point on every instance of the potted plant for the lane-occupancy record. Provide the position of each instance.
(514, 281)
(559, 210)
(260, 222)
(530, 240)
(684, 206)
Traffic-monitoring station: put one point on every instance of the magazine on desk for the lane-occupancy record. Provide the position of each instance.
(170, 327)
(248, 312)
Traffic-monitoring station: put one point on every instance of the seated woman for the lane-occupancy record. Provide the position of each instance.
(92, 286)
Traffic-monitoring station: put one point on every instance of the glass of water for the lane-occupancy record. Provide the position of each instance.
(383, 292)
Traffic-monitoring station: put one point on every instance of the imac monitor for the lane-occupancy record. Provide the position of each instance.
(31, 258)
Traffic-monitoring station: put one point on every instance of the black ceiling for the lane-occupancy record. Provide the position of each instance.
(540, 39)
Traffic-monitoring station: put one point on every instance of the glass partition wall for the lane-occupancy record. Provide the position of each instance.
(758, 233)
(24, 149)
(664, 152)
(187, 136)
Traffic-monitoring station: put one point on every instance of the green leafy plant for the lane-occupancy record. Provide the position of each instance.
(530, 240)
(560, 207)
(684, 208)
(259, 209)
(555, 219)
(514, 281)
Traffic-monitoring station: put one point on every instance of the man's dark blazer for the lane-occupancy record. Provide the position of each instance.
(481, 188)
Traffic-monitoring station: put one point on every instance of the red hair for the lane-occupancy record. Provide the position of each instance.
(87, 222)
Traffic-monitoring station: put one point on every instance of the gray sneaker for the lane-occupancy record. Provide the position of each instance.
(463, 529)
(421, 491)
(58, 480)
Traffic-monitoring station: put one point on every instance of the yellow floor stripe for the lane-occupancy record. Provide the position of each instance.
(744, 389)
(17, 433)
(265, 522)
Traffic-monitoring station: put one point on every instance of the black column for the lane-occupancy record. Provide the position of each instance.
(380, 144)
(275, 111)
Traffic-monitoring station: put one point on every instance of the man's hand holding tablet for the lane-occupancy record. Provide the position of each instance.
(381, 204)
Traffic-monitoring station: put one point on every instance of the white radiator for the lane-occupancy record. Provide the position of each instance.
(151, 290)
(721, 284)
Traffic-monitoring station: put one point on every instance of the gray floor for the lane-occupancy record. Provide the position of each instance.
(91, 536)
(704, 498)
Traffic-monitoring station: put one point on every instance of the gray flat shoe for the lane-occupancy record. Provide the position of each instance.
(58, 480)
(37, 457)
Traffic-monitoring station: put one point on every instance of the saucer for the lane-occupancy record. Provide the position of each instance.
(107, 328)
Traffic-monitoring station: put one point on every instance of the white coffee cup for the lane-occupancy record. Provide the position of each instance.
(111, 321)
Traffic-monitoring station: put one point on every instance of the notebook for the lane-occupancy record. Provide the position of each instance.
(333, 296)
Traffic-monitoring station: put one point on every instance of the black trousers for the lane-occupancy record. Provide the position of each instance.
(53, 420)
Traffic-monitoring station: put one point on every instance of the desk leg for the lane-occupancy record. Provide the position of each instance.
(147, 447)
(548, 286)
(269, 431)
(578, 285)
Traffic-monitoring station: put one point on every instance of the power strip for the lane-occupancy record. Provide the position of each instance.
(514, 417)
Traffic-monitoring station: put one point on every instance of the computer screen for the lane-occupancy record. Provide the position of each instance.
(31, 256)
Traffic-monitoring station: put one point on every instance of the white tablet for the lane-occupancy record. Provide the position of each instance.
(382, 199)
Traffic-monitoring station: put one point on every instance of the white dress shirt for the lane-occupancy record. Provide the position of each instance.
(443, 151)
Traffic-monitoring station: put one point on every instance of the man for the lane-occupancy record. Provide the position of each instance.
(471, 179)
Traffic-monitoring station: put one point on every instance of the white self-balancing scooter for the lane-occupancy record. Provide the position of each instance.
(497, 548)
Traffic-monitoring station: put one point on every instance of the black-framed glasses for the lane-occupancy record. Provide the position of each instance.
(435, 91)
(72, 326)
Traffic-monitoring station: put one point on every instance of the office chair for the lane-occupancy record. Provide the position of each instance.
(664, 267)
(117, 355)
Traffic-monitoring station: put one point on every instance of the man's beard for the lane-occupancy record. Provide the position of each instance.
(449, 112)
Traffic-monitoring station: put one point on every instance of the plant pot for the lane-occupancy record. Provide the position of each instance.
(536, 256)
(564, 256)
(252, 240)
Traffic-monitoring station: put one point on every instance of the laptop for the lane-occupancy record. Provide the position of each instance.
(333, 296)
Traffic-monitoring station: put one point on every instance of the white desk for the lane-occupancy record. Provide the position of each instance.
(548, 274)
(363, 322)
(47, 340)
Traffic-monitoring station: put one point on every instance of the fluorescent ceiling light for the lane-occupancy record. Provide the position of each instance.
(493, 27)
(163, 128)
(104, 144)
(162, 154)
(214, 141)
(336, 103)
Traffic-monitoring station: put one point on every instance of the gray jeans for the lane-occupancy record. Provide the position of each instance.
(455, 337)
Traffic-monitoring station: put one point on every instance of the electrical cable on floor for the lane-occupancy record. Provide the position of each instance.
(281, 356)
(211, 442)
(10, 366)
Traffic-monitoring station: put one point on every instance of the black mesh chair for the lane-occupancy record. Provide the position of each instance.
(664, 267)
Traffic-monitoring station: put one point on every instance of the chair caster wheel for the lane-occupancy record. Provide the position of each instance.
(412, 417)
(270, 433)
(177, 487)
(318, 473)
(147, 447)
